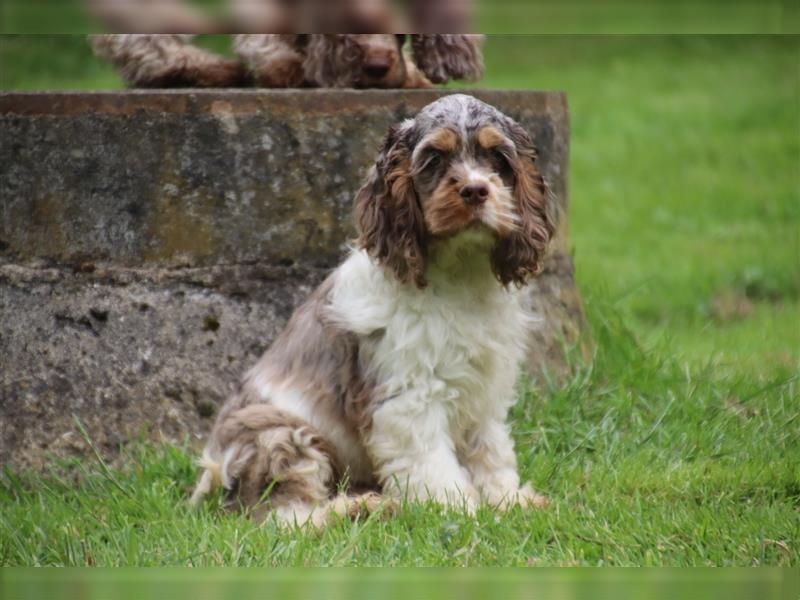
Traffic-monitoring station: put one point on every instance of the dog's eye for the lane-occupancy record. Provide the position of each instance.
(500, 162)
(499, 158)
(432, 160)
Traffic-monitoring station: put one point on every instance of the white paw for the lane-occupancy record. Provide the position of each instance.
(523, 497)
(370, 502)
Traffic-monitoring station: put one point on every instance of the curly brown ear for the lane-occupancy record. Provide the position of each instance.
(389, 219)
(443, 57)
(519, 256)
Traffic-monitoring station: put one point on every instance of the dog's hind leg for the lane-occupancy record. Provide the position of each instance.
(272, 462)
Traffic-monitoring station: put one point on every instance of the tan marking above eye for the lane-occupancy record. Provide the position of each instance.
(489, 137)
(443, 139)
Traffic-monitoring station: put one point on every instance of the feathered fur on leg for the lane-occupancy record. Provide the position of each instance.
(272, 462)
(273, 59)
(166, 61)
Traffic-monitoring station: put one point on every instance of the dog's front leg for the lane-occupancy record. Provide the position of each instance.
(489, 457)
(273, 59)
(414, 455)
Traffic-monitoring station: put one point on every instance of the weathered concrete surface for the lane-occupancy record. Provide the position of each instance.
(152, 244)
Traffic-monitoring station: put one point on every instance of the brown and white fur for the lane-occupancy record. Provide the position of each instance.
(399, 371)
(167, 61)
(292, 60)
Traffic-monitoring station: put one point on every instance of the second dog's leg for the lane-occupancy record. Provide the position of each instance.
(273, 59)
(166, 61)
(414, 455)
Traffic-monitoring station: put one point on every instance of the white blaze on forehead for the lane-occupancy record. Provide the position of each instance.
(462, 114)
(476, 175)
(459, 112)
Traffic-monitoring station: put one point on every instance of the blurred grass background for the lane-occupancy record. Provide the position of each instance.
(498, 16)
(401, 584)
(678, 443)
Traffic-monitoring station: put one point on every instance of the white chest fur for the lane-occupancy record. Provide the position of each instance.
(458, 342)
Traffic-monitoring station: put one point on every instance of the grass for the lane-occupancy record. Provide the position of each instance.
(646, 464)
(678, 443)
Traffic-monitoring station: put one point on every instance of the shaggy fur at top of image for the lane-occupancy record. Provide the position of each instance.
(292, 60)
(398, 373)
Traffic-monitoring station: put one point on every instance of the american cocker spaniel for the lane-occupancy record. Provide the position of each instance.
(294, 60)
(398, 373)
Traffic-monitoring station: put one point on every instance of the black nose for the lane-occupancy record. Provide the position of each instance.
(474, 193)
(375, 68)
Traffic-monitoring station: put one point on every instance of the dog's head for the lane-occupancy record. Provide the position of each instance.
(355, 60)
(459, 165)
(377, 60)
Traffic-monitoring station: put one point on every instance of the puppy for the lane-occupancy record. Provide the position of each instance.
(399, 371)
(291, 60)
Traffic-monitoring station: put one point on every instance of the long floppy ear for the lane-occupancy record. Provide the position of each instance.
(519, 256)
(388, 215)
(443, 57)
